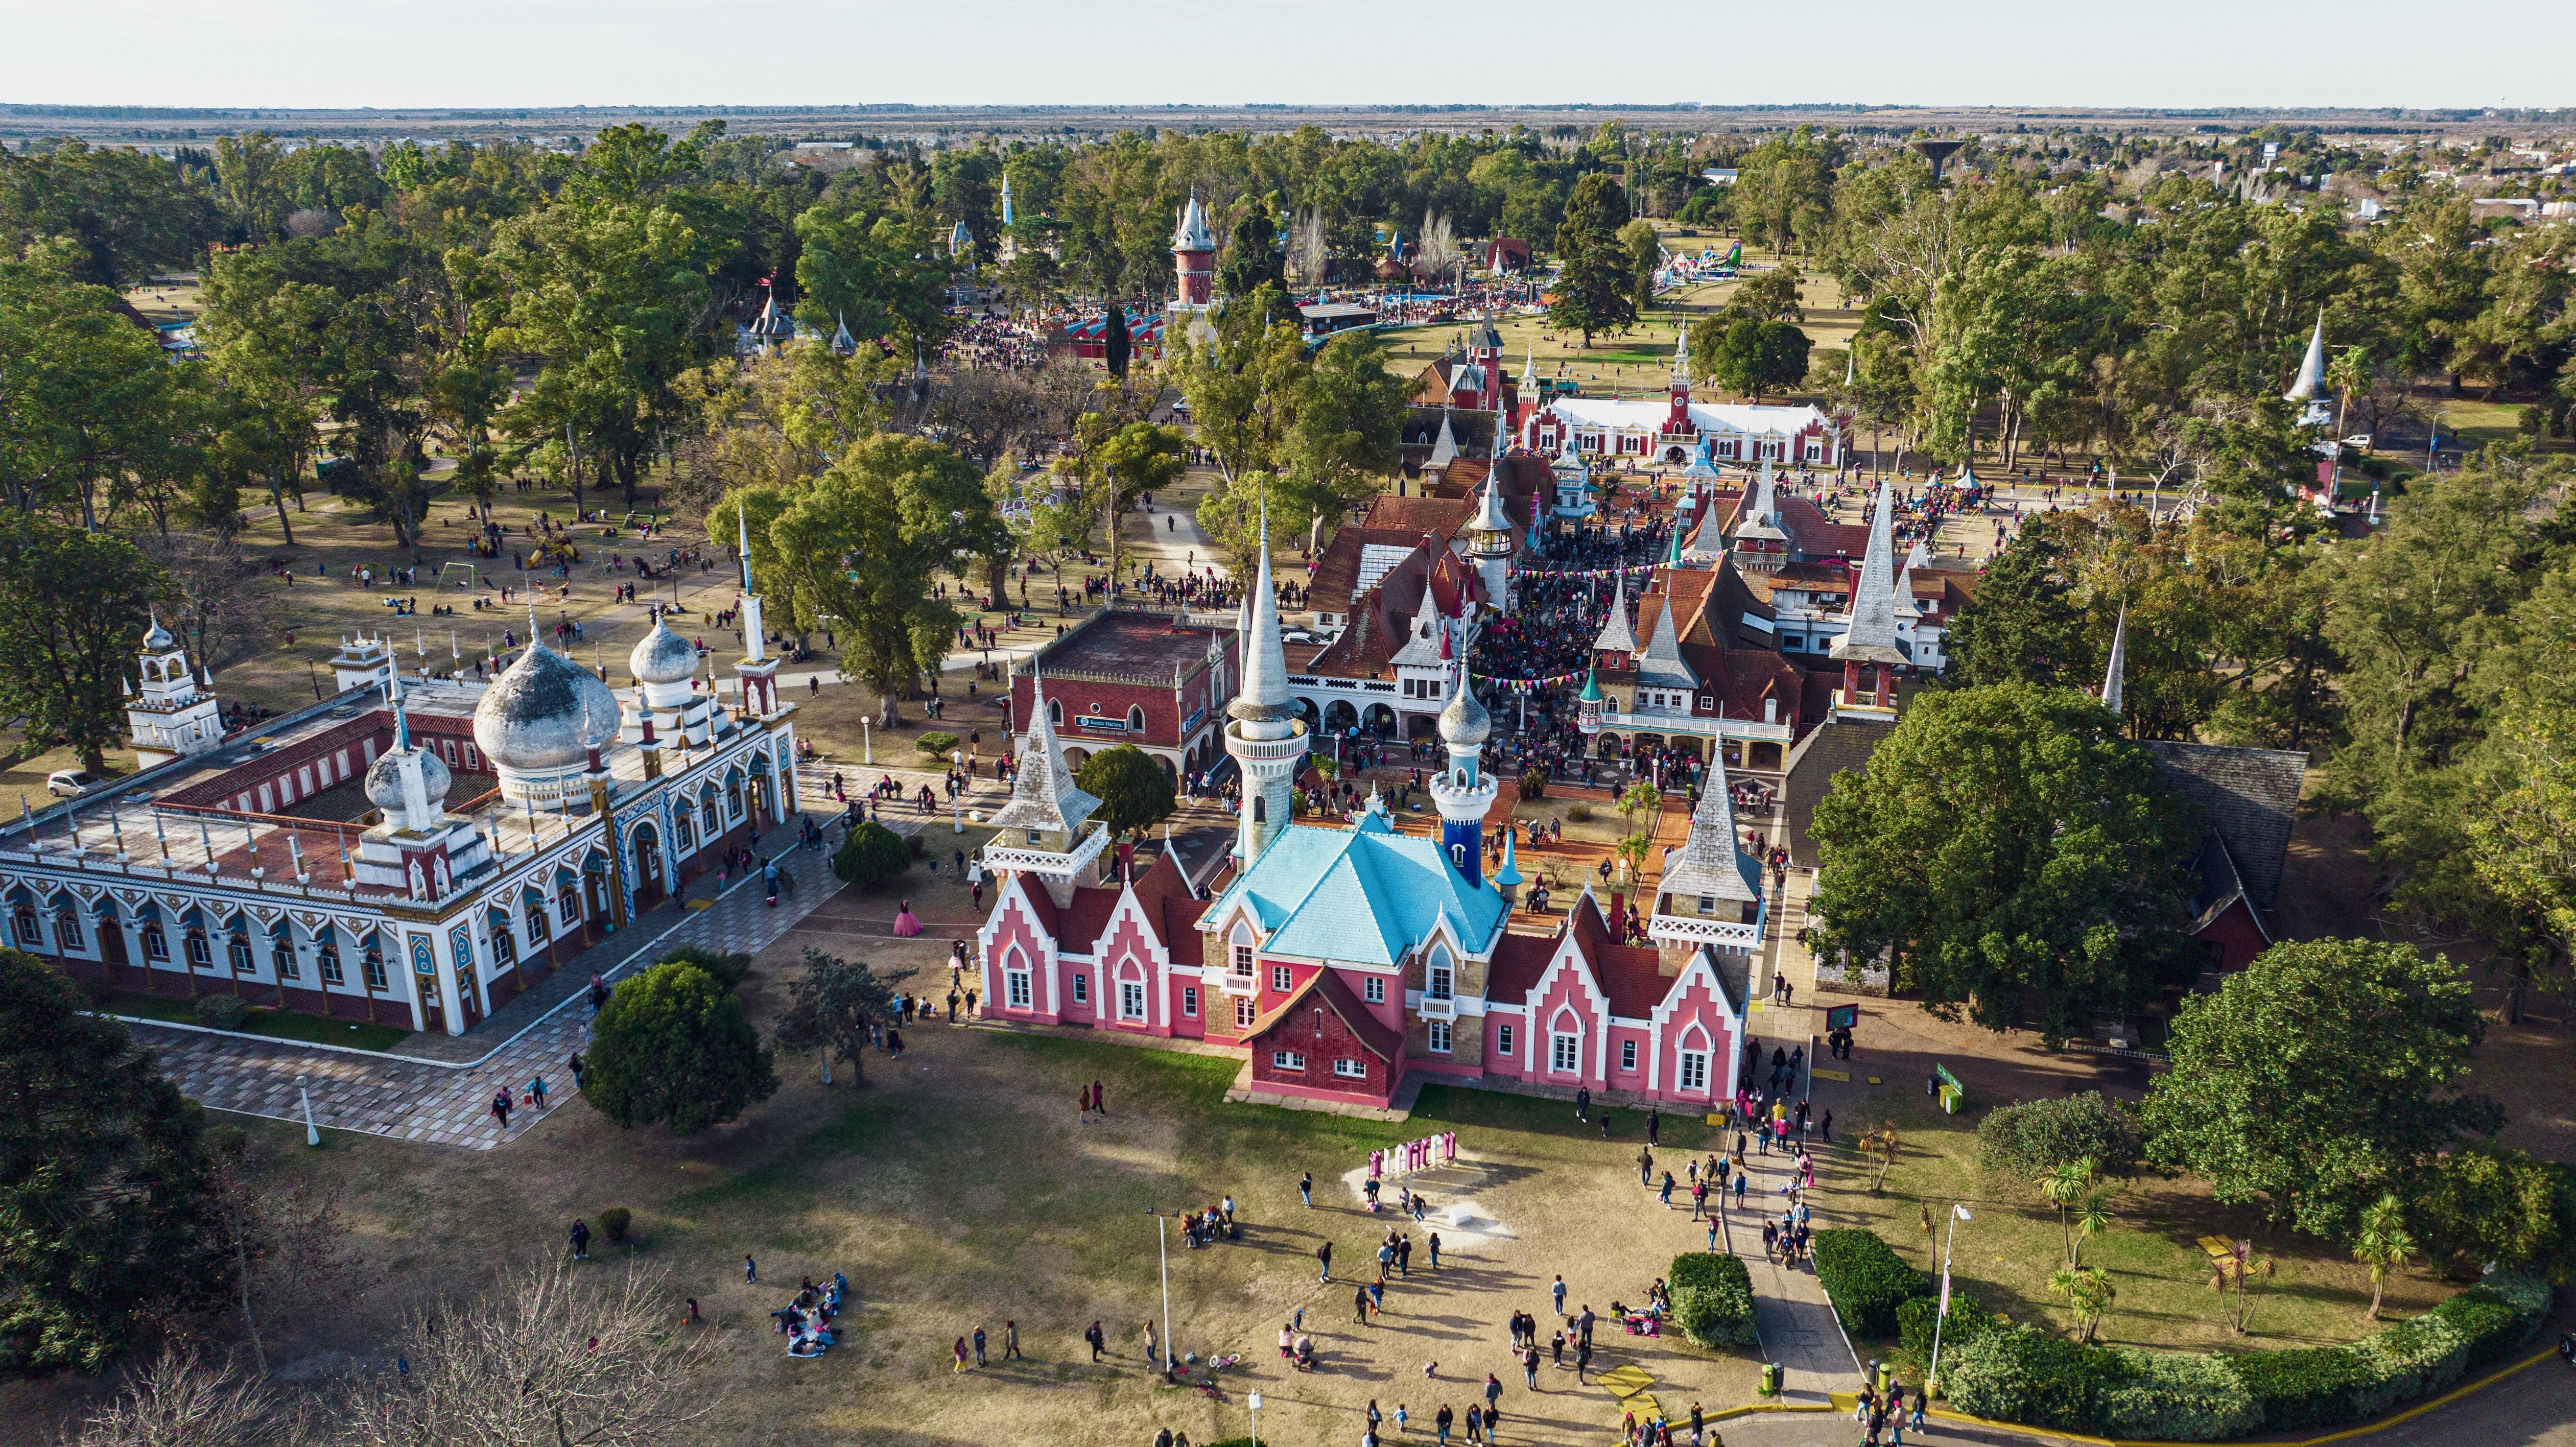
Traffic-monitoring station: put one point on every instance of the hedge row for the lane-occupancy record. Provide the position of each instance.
(1866, 1280)
(1914, 1321)
(1713, 1300)
(2040, 1380)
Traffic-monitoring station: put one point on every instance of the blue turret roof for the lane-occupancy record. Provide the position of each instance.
(1361, 896)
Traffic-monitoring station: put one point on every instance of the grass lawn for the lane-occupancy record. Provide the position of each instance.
(278, 1024)
(2005, 1255)
(959, 1189)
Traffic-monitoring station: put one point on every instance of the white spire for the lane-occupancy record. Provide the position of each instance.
(1264, 696)
(2112, 681)
(742, 544)
(1761, 516)
(1617, 635)
(1708, 865)
(1490, 517)
(1043, 794)
(1871, 637)
(1193, 234)
(1445, 450)
(2312, 369)
(1006, 198)
(1681, 360)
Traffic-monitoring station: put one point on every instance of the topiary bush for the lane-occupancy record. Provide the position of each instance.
(1533, 784)
(222, 1012)
(2035, 1137)
(936, 743)
(1866, 1280)
(1578, 811)
(871, 854)
(2176, 1397)
(2039, 1380)
(1713, 1299)
(726, 970)
(615, 1222)
(1916, 1318)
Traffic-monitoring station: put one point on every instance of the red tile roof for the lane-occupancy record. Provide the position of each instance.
(1087, 918)
(1518, 962)
(1327, 988)
(1633, 978)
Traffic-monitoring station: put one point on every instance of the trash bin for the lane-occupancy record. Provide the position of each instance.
(1770, 1379)
(1885, 1377)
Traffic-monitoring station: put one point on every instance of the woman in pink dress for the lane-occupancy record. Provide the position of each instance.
(905, 925)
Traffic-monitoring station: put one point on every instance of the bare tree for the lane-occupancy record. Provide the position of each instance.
(547, 1359)
(221, 612)
(1310, 248)
(282, 1237)
(190, 1401)
(1437, 249)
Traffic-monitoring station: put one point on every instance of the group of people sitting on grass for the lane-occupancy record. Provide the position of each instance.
(1645, 1320)
(807, 1320)
(1206, 1228)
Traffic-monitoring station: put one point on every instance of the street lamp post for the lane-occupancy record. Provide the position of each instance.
(1253, 1401)
(1163, 1247)
(1958, 1213)
(312, 1137)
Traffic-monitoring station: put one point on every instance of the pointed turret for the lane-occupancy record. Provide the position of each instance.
(1464, 793)
(1681, 362)
(1617, 635)
(1192, 233)
(1489, 542)
(1871, 638)
(1043, 793)
(1265, 737)
(2311, 384)
(1711, 863)
(2113, 677)
(1662, 665)
(1444, 449)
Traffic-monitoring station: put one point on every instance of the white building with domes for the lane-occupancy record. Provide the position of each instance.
(415, 853)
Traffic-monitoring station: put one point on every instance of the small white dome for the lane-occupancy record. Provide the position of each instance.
(1464, 723)
(544, 712)
(159, 639)
(384, 780)
(663, 657)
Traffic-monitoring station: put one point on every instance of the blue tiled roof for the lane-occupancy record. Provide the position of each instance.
(1358, 895)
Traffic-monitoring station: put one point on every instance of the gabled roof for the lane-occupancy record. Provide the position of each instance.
(1358, 896)
(1712, 862)
(1336, 581)
(1438, 516)
(1835, 745)
(2249, 796)
(1870, 636)
(1326, 989)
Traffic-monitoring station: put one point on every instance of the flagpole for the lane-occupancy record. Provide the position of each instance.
(1958, 1213)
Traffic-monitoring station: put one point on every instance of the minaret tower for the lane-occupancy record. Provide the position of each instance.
(1193, 260)
(172, 717)
(1464, 792)
(757, 671)
(1677, 422)
(1266, 738)
(1489, 542)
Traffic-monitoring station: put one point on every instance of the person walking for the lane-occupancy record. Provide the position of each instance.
(1151, 1352)
(750, 1271)
(959, 1352)
(1712, 1233)
(578, 1065)
(1441, 1420)
(1582, 1358)
(580, 1240)
(1699, 1197)
(1360, 1305)
(501, 1109)
(1011, 1342)
(1434, 1244)
(1557, 1290)
(537, 1093)
(1583, 1104)
(1324, 1254)
(1667, 1193)
(1097, 1339)
(978, 1339)
(1475, 1425)
(1306, 1189)
(1529, 1363)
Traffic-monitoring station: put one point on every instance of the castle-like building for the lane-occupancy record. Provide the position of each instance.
(414, 852)
(1343, 959)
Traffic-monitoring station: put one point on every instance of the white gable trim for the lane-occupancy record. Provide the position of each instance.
(1158, 956)
(1569, 960)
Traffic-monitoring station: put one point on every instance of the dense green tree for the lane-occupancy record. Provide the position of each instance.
(1596, 278)
(1750, 357)
(86, 398)
(2010, 853)
(1645, 251)
(2320, 1076)
(2024, 623)
(1133, 787)
(875, 272)
(123, 213)
(830, 1008)
(77, 602)
(105, 1186)
(1350, 409)
(1116, 343)
(871, 854)
(1252, 256)
(671, 1048)
(2487, 1205)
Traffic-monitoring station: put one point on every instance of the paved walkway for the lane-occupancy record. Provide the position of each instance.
(439, 1088)
(1790, 1312)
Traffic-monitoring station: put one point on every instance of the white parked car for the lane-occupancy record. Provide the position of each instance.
(72, 783)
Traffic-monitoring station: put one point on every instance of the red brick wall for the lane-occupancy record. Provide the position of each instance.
(1162, 720)
(1297, 1031)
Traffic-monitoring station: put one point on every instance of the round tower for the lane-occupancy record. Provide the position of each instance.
(1265, 738)
(1489, 542)
(1193, 259)
(1463, 792)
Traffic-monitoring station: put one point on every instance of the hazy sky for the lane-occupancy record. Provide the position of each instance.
(394, 53)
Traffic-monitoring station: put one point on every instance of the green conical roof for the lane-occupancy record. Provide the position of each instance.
(1591, 688)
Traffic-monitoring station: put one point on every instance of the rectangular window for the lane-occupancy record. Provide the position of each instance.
(1287, 1060)
(1439, 983)
(1243, 959)
(1017, 983)
(1439, 1037)
(1082, 989)
(1503, 1041)
(156, 945)
(1694, 1070)
(67, 930)
(375, 971)
(1627, 1054)
(199, 952)
(1131, 1000)
(1374, 989)
(329, 961)
(1243, 1012)
(282, 955)
(1190, 1001)
(1282, 978)
(1351, 1069)
(1563, 1057)
(243, 961)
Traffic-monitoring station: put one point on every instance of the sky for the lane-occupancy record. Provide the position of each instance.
(478, 53)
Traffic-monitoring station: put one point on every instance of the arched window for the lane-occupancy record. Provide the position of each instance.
(1437, 976)
(1260, 809)
(1055, 712)
(1136, 718)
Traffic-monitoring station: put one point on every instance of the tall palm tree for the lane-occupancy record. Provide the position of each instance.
(2064, 1187)
(2384, 1245)
(2088, 1292)
(2089, 1223)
